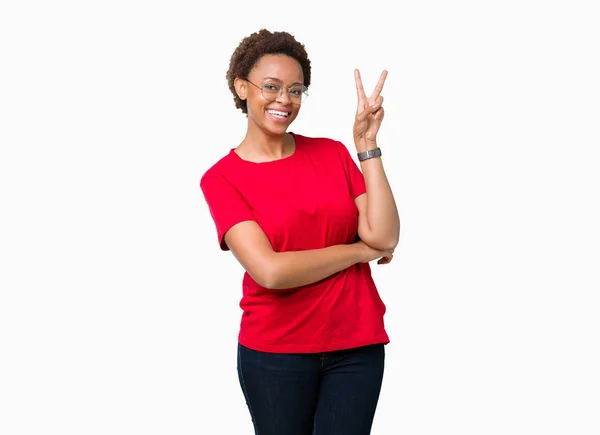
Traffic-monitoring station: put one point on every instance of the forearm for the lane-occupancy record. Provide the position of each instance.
(382, 213)
(298, 268)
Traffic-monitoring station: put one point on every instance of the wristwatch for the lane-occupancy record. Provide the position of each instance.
(369, 154)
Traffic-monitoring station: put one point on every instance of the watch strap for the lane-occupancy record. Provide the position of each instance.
(369, 154)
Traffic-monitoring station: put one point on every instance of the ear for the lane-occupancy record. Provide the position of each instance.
(241, 88)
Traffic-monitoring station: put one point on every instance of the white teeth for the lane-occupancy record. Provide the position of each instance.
(278, 113)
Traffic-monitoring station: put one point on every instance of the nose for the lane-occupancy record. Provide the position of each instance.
(284, 97)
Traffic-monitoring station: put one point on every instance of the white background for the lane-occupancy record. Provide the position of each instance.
(118, 312)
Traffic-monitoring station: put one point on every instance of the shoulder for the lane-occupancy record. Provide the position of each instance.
(326, 145)
(221, 169)
(320, 143)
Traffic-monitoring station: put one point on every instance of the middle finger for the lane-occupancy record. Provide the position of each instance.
(379, 86)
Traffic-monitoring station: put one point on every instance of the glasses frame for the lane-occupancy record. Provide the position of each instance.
(304, 91)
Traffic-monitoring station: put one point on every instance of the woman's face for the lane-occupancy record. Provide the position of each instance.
(273, 70)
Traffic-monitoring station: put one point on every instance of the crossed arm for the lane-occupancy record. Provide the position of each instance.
(291, 269)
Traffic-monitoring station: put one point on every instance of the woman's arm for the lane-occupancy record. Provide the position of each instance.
(379, 223)
(287, 270)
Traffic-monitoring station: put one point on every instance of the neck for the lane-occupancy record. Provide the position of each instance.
(258, 145)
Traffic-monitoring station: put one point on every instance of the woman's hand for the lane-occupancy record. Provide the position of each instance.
(369, 113)
(369, 254)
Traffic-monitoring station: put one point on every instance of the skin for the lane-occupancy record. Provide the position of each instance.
(267, 140)
(379, 223)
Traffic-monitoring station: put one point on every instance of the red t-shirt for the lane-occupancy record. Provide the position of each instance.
(304, 201)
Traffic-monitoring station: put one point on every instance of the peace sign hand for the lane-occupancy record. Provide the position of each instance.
(369, 113)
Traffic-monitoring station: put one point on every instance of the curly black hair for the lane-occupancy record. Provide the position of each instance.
(256, 45)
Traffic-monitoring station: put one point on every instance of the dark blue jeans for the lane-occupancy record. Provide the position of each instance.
(331, 393)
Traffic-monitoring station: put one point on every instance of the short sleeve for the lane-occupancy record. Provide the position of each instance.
(356, 180)
(227, 206)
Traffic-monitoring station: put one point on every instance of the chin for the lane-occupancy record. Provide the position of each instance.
(276, 128)
(274, 131)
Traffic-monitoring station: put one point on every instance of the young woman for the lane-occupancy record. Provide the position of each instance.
(304, 221)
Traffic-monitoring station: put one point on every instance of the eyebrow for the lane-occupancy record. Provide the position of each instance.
(278, 80)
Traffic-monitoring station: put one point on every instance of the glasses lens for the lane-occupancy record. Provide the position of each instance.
(271, 91)
(298, 94)
(304, 94)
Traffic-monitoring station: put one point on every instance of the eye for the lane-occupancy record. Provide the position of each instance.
(271, 87)
(296, 91)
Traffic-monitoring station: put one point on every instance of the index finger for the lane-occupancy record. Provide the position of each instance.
(379, 86)
(359, 86)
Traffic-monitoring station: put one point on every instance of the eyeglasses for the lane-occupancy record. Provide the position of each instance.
(271, 91)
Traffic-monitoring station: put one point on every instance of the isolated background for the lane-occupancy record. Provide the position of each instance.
(118, 312)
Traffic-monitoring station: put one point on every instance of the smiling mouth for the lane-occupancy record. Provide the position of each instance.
(278, 114)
